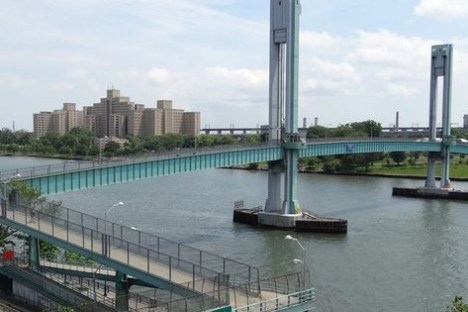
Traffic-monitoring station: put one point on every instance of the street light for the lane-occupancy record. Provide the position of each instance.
(105, 226)
(295, 260)
(106, 244)
(289, 237)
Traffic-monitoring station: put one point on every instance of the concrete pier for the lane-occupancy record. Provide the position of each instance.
(431, 193)
(303, 222)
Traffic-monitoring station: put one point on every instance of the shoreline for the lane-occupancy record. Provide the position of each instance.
(363, 174)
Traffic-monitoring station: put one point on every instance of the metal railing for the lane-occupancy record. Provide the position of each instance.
(274, 293)
(129, 244)
(72, 166)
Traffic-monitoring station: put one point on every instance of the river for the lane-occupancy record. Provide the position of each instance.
(400, 254)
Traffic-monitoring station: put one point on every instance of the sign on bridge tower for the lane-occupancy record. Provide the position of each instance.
(441, 66)
(283, 108)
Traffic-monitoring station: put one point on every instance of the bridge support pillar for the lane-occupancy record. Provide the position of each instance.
(33, 252)
(121, 291)
(441, 66)
(282, 205)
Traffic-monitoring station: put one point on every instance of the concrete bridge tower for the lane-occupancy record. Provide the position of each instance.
(282, 206)
(441, 66)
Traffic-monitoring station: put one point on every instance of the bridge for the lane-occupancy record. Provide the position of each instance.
(137, 258)
(53, 179)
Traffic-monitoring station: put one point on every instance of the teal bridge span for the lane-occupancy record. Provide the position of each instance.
(75, 176)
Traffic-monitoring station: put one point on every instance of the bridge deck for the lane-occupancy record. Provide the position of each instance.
(140, 262)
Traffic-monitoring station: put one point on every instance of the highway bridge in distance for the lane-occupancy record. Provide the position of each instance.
(403, 132)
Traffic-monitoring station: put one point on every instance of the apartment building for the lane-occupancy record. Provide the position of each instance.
(118, 116)
(57, 122)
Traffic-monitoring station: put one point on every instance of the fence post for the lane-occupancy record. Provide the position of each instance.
(170, 267)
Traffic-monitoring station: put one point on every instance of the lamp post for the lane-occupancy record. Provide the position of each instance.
(106, 244)
(303, 261)
(105, 241)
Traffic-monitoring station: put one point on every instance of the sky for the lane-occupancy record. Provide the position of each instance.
(358, 59)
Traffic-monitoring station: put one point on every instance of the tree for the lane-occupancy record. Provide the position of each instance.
(152, 143)
(7, 136)
(317, 132)
(331, 165)
(22, 137)
(112, 148)
(346, 131)
(457, 305)
(78, 141)
(398, 157)
(370, 128)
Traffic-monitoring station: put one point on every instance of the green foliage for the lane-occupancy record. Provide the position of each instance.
(112, 148)
(331, 165)
(7, 136)
(74, 258)
(78, 141)
(28, 193)
(6, 235)
(460, 133)
(49, 250)
(370, 128)
(457, 305)
(252, 166)
(312, 163)
(346, 131)
(398, 157)
(315, 132)
(52, 207)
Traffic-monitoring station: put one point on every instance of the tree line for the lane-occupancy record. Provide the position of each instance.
(80, 142)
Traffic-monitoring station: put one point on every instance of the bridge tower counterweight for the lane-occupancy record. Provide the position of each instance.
(441, 66)
(283, 112)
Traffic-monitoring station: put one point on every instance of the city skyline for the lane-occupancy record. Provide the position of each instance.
(358, 61)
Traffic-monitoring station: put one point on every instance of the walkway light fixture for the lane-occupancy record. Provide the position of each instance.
(289, 237)
(299, 261)
(105, 240)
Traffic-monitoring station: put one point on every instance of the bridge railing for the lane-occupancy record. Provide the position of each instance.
(89, 232)
(78, 165)
(94, 288)
(274, 293)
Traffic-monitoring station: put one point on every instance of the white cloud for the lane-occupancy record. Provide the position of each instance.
(323, 76)
(442, 8)
(159, 75)
(78, 73)
(239, 78)
(312, 40)
(11, 81)
(401, 90)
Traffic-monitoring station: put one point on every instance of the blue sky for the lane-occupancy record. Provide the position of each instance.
(359, 59)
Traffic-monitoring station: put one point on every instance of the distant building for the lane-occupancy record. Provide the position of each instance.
(117, 116)
(465, 122)
(58, 122)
